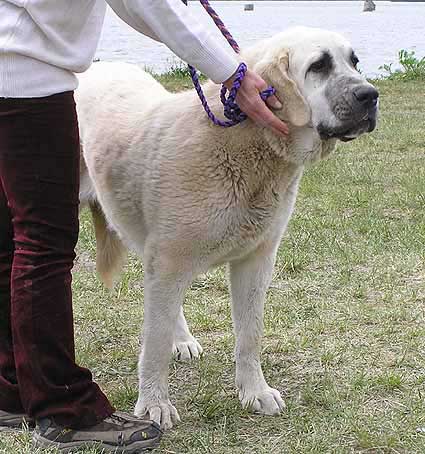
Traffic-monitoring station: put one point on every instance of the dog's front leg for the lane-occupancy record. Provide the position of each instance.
(249, 279)
(185, 347)
(164, 293)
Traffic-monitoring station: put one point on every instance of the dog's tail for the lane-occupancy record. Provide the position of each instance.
(111, 254)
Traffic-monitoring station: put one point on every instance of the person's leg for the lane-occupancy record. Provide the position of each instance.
(9, 392)
(39, 169)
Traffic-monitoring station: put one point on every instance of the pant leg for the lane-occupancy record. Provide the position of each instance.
(9, 390)
(39, 168)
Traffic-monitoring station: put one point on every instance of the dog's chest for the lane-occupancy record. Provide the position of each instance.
(263, 212)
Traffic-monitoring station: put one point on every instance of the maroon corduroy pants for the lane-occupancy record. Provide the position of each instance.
(39, 182)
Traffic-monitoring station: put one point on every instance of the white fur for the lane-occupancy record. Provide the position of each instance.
(188, 196)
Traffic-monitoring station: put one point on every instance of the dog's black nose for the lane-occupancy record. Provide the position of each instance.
(367, 96)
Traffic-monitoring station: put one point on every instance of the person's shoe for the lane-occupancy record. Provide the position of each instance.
(119, 433)
(15, 421)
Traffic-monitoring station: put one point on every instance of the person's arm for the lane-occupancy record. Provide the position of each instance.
(171, 22)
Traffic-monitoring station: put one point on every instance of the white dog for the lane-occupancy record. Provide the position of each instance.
(187, 195)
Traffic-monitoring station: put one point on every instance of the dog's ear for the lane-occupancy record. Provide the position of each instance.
(275, 72)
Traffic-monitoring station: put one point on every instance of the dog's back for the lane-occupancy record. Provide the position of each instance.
(109, 88)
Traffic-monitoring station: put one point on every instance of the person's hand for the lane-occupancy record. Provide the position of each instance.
(249, 100)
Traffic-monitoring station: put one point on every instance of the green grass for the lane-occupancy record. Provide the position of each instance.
(412, 67)
(344, 324)
(177, 78)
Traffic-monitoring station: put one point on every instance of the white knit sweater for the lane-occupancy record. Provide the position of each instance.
(44, 42)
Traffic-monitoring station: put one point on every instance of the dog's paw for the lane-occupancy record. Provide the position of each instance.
(266, 401)
(162, 412)
(187, 349)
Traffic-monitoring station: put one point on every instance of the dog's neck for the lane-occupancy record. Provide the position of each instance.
(302, 145)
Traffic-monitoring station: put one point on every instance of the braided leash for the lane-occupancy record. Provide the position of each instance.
(231, 110)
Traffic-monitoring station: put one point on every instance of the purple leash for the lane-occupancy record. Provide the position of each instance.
(231, 110)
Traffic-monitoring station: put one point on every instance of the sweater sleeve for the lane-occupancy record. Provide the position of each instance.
(171, 22)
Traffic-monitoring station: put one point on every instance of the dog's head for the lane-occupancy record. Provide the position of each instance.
(314, 73)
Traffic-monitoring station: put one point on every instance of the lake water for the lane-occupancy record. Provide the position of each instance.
(376, 36)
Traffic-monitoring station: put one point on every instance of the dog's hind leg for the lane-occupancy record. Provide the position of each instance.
(165, 285)
(249, 279)
(185, 347)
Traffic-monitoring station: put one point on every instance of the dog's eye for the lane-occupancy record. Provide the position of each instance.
(322, 65)
(354, 60)
(319, 66)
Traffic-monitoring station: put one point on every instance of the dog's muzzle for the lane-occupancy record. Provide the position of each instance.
(368, 97)
(364, 104)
